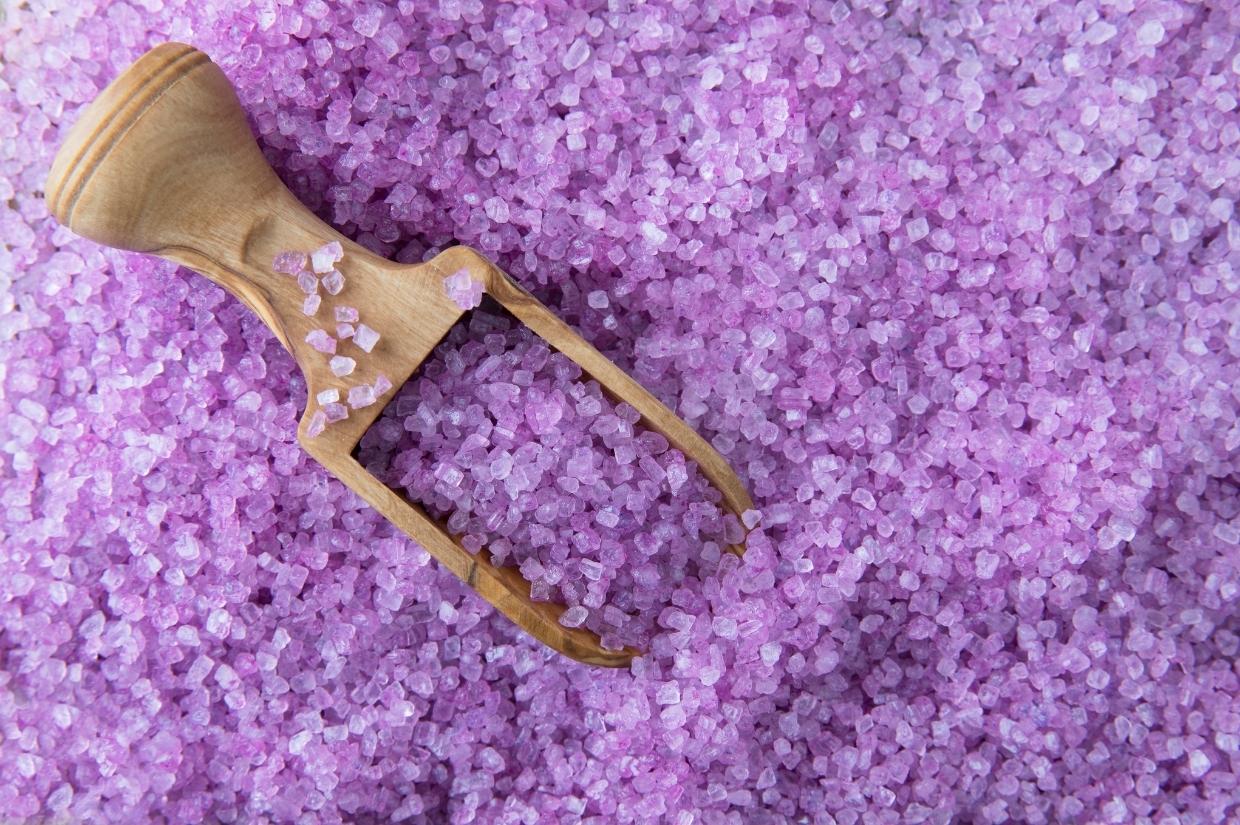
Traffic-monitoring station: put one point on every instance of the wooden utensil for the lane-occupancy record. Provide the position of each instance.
(163, 162)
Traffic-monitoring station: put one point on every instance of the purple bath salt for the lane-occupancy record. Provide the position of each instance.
(346, 314)
(952, 286)
(464, 291)
(321, 341)
(324, 259)
(344, 331)
(511, 428)
(382, 385)
(311, 305)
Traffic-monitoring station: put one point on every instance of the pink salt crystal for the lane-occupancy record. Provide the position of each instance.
(344, 331)
(308, 283)
(574, 616)
(342, 365)
(311, 305)
(361, 396)
(328, 396)
(365, 337)
(318, 422)
(750, 518)
(289, 263)
(464, 291)
(333, 282)
(335, 412)
(321, 341)
(346, 314)
(382, 385)
(325, 257)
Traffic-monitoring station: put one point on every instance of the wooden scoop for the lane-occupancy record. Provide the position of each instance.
(163, 162)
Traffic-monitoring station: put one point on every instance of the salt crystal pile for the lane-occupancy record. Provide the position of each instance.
(953, 286)
(502, 440)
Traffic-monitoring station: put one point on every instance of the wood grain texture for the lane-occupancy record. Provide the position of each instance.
(163, 162)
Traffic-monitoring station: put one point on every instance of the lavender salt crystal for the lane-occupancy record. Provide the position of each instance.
(464, 291)
(963, 323)
(365, 337)
(361, 396)
(321, 341)
(289, 263)
(318, 422)
(333, 282)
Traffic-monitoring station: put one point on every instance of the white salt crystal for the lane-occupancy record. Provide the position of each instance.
(324, 258)
(653, 233)
(328, 396)
(365, 337)
(342, 365)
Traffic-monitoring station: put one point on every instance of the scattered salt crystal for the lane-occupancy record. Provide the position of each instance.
(382, 385)
(328, 396)
(365, 338)
(335, 411)
(324, 258)
(321, 341)
(311, 305)
(289, 263)
(333, 282)
(342, 365)
(318, 422)
(346, 314)
(361, 396)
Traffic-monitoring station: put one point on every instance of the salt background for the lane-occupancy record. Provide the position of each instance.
(953, 286)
